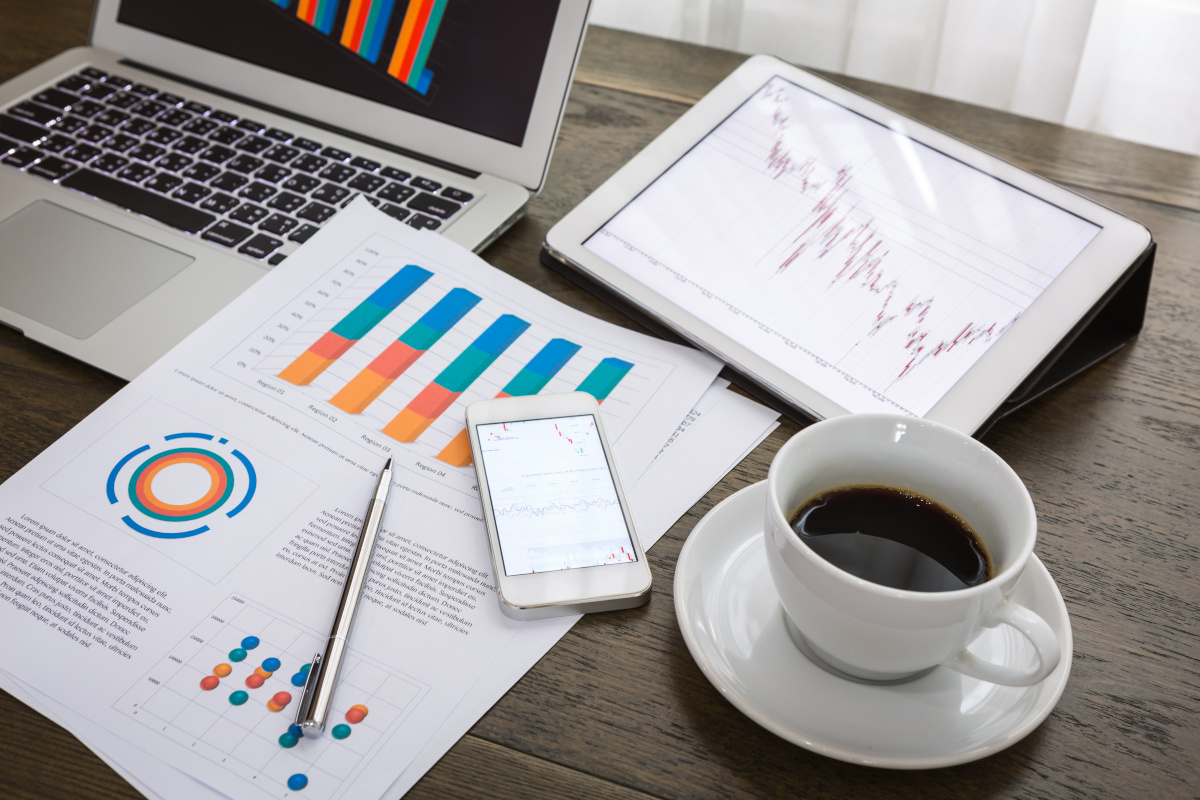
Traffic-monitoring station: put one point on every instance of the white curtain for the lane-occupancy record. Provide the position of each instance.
(1125, 68)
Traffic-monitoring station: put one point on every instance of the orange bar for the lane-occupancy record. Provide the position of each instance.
(305, 369)
(307, 10)
(356, 20)
(404, 54)
(407, 426)
(458, 452)
(360, 392)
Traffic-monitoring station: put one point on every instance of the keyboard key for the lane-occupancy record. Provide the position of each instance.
(366, 183)
(91, 73)
(226, 233)
(143, 90)
(99, 91)
(146, 151)
(258, 192)
(164, 182)
(168, 99)
(396, 193)
(218, 154)
(196, 108)
(220, 203)
(173, 162)
(33, 112)
(394, 174)
(303, 233)
(286, 201)
(365, 163)
(316, 212)
(191, 192)
(336, 172)
(52, 169)
(94, 133)
(272, 173)
(135, 173)
(201, 172)
(306, 144)
(277, 135)
(22, 157)
(57, 143)
(281, 153)
(335, 154)
(201, 126)
(230, 182)
(251, 126)
(424, 223)
(148, 108)
(109, 163)
(394, 211)
(260, 246)
(86, 108)
(111, 117)
(82, 153)
(123, 100)
(56, 98)
(21, 130)
(254, 144)
(190, 145)
(118, 81)
(138, 127)
(245, 164)
(425, 184)
(276, 259)
(457, 195)
(71, 125)
(309, 163)
(7, 145)
(74, 83)
(138, 200)
(434, 206)
(331, 193)
(175, 118)
(226, 135)
(164, 136)
(301, 183)
(223, 116)
(120, 142)
(249, 213)
(278, 224)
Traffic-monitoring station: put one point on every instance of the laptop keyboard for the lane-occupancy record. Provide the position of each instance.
(230, 180)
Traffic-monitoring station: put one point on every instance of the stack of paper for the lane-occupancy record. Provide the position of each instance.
(184, 547)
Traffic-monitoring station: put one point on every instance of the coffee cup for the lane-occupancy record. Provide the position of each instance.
(872, 632)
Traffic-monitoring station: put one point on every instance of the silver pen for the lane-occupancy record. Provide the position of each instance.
(317, 698)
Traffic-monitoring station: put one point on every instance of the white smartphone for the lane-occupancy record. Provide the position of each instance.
(561, 534)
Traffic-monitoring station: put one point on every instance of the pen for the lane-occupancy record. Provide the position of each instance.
(323, 673)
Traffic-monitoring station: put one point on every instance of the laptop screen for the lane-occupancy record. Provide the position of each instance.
(473, 64)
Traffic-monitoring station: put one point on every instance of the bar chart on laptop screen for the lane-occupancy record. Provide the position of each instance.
(388, 352)
(871, 267)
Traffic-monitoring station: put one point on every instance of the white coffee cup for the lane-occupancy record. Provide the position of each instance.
(869, 631)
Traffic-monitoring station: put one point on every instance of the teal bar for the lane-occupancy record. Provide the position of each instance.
(605, 377)
(431, 29)
(471, 363)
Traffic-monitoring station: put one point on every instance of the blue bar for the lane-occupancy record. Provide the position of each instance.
(552, 357)
(399, 286)
(377, 22)
(500, 334)
(450, 309)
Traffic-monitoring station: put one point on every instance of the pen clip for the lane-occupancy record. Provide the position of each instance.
(304, 711)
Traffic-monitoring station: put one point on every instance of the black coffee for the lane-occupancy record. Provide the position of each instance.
(893, 537)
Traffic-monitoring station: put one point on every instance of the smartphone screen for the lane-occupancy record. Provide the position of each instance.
(552, 494)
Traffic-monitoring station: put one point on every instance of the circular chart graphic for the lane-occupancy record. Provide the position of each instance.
(169, 486)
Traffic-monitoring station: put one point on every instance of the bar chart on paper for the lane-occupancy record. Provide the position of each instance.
(389, 347)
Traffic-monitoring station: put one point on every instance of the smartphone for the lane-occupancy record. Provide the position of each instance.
(561, 534)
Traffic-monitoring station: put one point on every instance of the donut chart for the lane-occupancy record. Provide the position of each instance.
(173, 484)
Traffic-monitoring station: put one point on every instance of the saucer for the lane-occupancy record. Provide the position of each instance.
(734, 626)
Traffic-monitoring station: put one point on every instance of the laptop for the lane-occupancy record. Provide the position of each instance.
(148, 179)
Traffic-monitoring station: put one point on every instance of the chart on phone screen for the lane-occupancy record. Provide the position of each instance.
(552, 495)
(870, 266)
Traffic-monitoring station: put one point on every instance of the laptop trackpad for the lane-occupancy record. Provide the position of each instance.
(74, 274)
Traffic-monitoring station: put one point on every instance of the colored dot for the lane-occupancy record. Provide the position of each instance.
(304, 670)
(250, 642)
(238, 697)
(274, 707)
(254, 681)
(221, 670)
(262, 673)
(294, 730)
(209, 682)
(288, 740)
(271, 664)
(341, 731)
(356, 714)
(297, 781)
(237, 654)
(299, 679)
(282, 698)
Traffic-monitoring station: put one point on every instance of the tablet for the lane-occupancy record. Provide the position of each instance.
(845, 257)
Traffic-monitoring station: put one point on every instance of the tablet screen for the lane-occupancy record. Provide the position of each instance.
(865, 264)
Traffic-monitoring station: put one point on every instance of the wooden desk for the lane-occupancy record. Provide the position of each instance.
(618, 709)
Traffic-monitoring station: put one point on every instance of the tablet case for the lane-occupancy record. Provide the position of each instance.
(1110, 324)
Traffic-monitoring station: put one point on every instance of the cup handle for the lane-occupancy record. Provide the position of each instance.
(1033, 628)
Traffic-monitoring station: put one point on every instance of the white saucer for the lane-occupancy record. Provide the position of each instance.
(734, 626)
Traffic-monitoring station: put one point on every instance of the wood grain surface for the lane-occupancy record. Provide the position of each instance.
(618, 709)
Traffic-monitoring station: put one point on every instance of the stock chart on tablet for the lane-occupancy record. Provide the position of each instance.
(868, 265)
